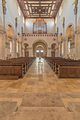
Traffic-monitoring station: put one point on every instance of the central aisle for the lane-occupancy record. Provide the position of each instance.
(40, 77)
(40, 95)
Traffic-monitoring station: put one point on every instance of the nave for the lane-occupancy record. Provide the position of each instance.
(40, 95)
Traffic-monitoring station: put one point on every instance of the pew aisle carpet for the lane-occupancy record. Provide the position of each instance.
(40, 95)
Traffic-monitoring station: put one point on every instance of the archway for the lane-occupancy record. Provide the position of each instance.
(40, 49)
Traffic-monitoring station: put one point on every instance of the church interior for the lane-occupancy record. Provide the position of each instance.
(39, 59)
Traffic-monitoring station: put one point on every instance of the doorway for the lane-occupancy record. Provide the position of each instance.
(40, 49)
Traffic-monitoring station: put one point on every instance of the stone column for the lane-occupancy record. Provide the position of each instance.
(30, 49)
(19, 49)
(14, 47)
(2, 43)
(49, 51)
(76, 35)
(4, 28)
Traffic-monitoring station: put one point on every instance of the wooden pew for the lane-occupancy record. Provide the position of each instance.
(11, 71)
(52, 61)
(69, 72)
(65, 68)
(15, 66)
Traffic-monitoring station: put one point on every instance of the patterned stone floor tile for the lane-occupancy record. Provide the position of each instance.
(40, 95)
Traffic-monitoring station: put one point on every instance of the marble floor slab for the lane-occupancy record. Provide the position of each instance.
(40, 95)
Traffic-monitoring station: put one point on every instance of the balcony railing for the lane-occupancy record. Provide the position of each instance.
(41, 35)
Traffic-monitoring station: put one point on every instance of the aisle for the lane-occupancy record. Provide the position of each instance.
(40, 95)
(40, 77)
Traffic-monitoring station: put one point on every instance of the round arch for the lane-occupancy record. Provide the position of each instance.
(40, 45)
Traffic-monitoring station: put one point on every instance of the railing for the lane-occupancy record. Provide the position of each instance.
(41, 35)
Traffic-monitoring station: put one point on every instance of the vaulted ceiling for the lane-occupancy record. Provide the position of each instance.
(39, 8)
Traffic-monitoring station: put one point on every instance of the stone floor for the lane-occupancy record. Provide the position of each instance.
(40, 95)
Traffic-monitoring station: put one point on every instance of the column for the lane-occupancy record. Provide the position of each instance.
(2, 45)
(4, 30)
(15, 39)
(76, 35)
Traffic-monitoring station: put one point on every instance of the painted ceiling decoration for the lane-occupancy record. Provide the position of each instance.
(39, 8)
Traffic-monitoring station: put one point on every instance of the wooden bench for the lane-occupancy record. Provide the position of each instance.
(69, 71)
(15, 66)
(66, 68)
(11, 71)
